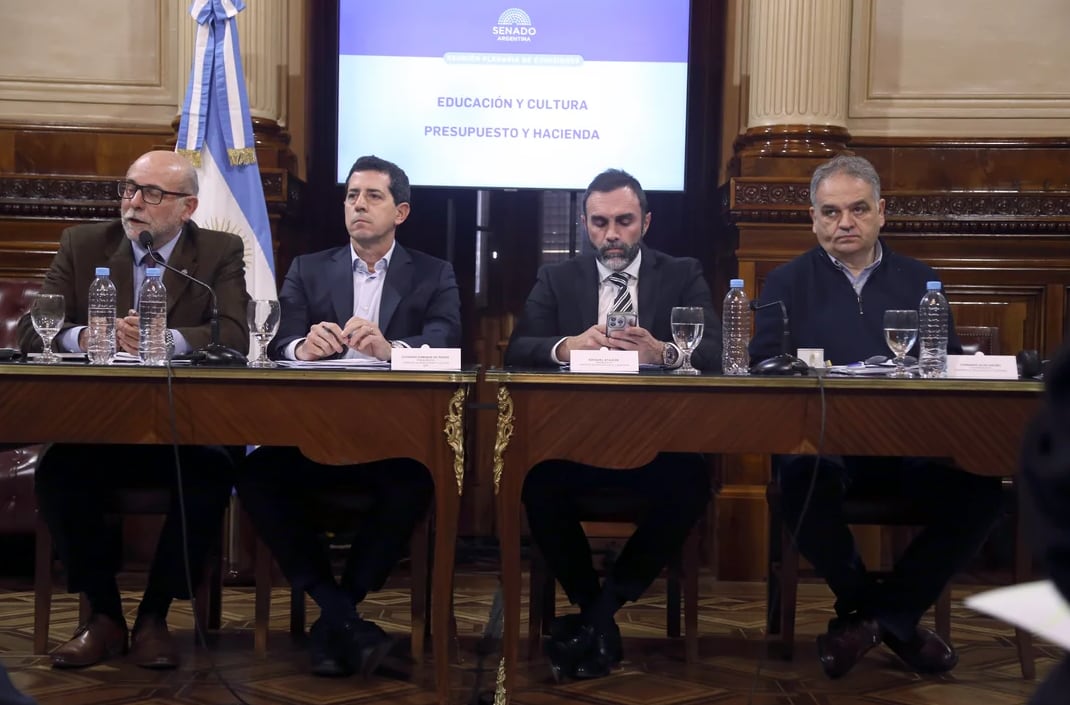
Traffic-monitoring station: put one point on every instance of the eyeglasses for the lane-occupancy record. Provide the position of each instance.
(152, 195)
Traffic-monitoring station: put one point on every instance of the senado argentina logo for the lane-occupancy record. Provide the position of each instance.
(514, 25)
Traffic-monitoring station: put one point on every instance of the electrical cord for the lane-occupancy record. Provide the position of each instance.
(794, 533)
(488, 646)
(198, 628)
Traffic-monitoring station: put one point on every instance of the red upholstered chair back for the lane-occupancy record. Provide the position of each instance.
(15, 297)
(17, 464)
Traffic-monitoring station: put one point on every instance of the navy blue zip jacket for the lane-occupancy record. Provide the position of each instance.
(824, 311)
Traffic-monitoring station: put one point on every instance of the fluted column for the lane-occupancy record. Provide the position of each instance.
(262, 31)
(799, 60)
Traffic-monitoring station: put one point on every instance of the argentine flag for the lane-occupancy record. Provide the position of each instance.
(216, 134)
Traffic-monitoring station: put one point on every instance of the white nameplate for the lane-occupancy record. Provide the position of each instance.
(426, 359)
(604, 361)
(982, 367)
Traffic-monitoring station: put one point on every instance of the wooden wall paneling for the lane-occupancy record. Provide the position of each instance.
(742, 514)
(27, 247)
(1018, 315)
(75, 150)
(1020, 164)
(7, 151)
(1056, 321)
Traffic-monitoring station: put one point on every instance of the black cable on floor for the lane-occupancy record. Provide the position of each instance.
(794, 533)
(198, 628)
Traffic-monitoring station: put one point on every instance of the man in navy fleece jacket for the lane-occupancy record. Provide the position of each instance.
(836, 295)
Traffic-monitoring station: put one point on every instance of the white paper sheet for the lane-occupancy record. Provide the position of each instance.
(1036, 607)
(341, 364)
(65, 356)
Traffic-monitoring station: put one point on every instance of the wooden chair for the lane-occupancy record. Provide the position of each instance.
(339, 509)
(18, 461)
(983, 339)
(783, 583)
(623, 511)
(897, 512)
(207, 597)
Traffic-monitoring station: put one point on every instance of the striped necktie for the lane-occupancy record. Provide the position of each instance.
(622, 302)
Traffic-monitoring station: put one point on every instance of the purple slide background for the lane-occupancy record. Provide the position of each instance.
(597, 30)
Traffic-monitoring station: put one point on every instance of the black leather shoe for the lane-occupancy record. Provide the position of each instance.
(327, 659)
(566, 653)
(565, 627)
(606, 652)
(926, 652)
(845, 643)
(367, 645)
(576, 649)
(613, 648)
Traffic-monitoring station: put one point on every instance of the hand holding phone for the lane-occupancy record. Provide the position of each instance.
(620, 321)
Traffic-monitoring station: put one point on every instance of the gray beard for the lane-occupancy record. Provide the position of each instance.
(617, 263)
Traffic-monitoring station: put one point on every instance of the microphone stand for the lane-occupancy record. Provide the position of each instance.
(785, 363)
(214, 354)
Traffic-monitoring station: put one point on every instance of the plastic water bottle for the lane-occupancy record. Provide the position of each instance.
(735, 335)
(932, 331)
(101, 330)
(152, 319)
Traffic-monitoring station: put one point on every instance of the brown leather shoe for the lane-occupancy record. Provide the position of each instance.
(845, 643)
(99, 639)
(926, 652)
(151, 645)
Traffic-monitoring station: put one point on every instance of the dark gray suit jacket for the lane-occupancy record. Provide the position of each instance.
(216, 258)
(564, 302)
(420, 304)
(1045, 479)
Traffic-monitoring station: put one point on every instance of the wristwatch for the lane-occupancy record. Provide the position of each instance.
(669, 355)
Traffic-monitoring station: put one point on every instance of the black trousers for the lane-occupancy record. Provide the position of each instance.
(676, 488)
(963, 508)
(72, 483)
(274, 484)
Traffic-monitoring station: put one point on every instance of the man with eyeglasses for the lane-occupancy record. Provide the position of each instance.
(158, 195)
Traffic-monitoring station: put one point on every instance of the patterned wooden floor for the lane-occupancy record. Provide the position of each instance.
(732, 669)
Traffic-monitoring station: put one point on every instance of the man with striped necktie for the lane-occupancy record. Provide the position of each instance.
(565, 311)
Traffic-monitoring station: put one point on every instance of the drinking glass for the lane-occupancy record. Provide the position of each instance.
(264, 317)
(900, 332)
(687, 324)
(47, 313)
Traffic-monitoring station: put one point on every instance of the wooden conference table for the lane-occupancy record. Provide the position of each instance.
(623, 421)
(337, 417)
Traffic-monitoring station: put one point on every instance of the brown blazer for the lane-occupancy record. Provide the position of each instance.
(216, 258)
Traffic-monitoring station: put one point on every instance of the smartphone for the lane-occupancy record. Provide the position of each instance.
(619, 321)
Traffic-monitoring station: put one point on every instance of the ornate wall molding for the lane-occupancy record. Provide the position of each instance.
(95, 198)
(787, 200)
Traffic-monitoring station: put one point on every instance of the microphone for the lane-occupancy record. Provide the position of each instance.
(785, 363)
(215, 354)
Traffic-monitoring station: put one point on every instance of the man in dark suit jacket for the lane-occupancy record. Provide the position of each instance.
(159, 195)
(1046, 482)
(566, 311)
(836, 295)
(362, 300)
